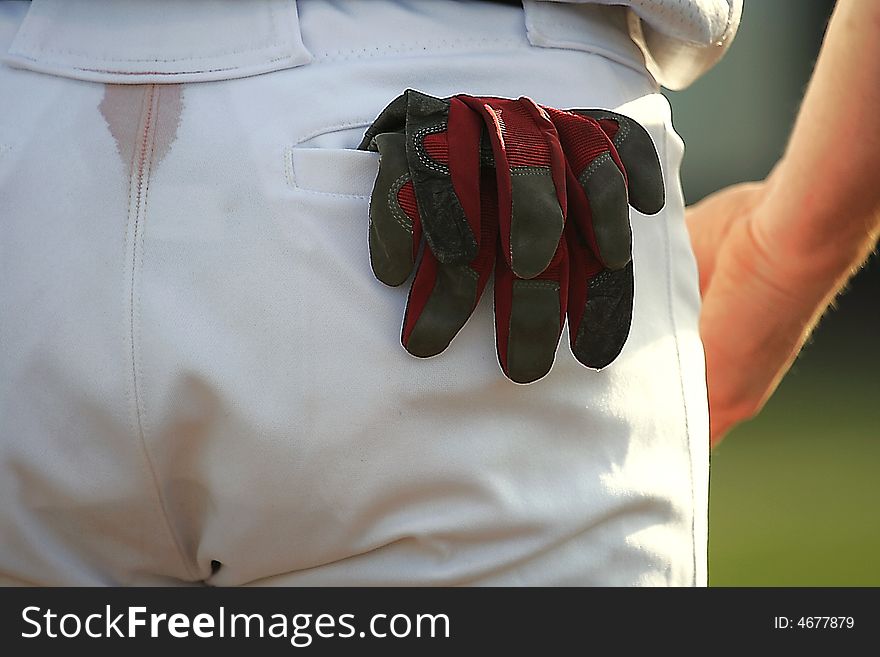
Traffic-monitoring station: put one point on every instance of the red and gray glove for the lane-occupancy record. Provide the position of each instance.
(540, 193)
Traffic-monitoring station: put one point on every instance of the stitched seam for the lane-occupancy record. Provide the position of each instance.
(466, 270)
(425, 48)
(622, 133)
(529, 171)
(469, 272)
(553, 285)
(424, 158)
(156, 60)
(399, 215)
(137, 173)
(671, 308)
(595, 164)
(132, 167)
(145, 166)
(305, 190)
(135, 73)
(507, 235)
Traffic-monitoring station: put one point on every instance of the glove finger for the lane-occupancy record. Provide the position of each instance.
(391, 119)
(600, 305)
(530, 177)
(451, 232)
(463, 141)
(441, 299)
(597, 187)
(395, 230)
(443, 296)
(644, 175)
(604, 186)
(529, 316)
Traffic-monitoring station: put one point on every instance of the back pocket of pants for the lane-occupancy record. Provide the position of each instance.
(331, 171)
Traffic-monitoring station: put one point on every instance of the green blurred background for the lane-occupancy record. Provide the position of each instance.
(794, 493)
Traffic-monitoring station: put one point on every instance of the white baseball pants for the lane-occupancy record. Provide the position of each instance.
(202, 382)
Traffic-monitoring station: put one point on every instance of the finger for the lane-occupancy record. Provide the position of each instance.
(529, 316)
(394, 232)
(443, 296)
(530, 178)
(391, 119)
(600, 305)
(647, 193)
(597, 188)
(605, 190)
(440, 301)
(463, 142)
(451, 233)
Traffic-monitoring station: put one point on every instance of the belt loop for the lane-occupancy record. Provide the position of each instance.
(598, 29)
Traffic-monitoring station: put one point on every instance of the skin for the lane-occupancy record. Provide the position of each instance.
(774, 254)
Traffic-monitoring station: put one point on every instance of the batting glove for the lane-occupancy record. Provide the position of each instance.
(540, 193)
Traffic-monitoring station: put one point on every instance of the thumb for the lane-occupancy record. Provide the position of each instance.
(709, 221)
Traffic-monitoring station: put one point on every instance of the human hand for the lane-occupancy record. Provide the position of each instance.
(759, 302)
(773, 255)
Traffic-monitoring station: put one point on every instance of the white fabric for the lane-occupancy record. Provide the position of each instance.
(197, 364)
(701, 22)
(681, 39)
(156, 41)
(142, 41)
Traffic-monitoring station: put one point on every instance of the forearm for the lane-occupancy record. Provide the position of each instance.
(821, 215)
(774, 254)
